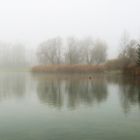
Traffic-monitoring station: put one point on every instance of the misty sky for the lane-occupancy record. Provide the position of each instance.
(33, 21)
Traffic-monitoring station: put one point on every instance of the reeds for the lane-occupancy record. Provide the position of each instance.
(69, 68)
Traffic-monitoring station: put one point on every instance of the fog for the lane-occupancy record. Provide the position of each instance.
(31, 22)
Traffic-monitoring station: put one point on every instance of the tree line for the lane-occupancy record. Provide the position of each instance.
(129, 53)
(89, 51)
(72, 51)
(12, 55)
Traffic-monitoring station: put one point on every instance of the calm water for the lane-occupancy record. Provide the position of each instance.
(70, 107)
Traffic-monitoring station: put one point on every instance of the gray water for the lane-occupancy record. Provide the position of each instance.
(68, 107)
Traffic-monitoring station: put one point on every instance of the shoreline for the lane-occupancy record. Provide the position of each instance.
(68, 69)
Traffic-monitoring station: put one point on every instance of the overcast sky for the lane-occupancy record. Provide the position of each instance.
(32, 21)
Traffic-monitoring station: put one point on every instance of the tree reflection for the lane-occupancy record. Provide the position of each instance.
(71, 92)
(130, 93)
(50, 92)
(12, 84)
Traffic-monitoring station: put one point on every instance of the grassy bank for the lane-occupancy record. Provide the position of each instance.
(69, 69)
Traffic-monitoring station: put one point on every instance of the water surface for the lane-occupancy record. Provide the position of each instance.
(68, 107)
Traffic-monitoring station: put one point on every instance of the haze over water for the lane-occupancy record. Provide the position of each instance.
(68, 107)
(38, 37)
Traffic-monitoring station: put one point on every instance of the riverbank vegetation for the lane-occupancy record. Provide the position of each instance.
(73, 55)
(88, 55)
(69, 68)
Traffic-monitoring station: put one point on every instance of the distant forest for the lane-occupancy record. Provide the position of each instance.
(69, 51)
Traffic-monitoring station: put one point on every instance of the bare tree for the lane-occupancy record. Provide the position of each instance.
(125, 39)
(99, 52)
(49, 52)
(18, 55)
(83, 51)
(72, 55)
(127, 55)
(86, 46)
(12, 55)
(132, 52)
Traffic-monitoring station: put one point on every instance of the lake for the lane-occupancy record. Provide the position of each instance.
(68, 107)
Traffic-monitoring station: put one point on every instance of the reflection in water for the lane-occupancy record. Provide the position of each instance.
(12, 84)
(73, 92)
(129, 93)
(85, 92)
(69, 91)
(50, 92)
(60, 108)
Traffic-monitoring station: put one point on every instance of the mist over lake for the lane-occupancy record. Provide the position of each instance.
(68, 107)
(69, 70)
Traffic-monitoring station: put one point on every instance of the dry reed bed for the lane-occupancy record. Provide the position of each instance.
(69, 68)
